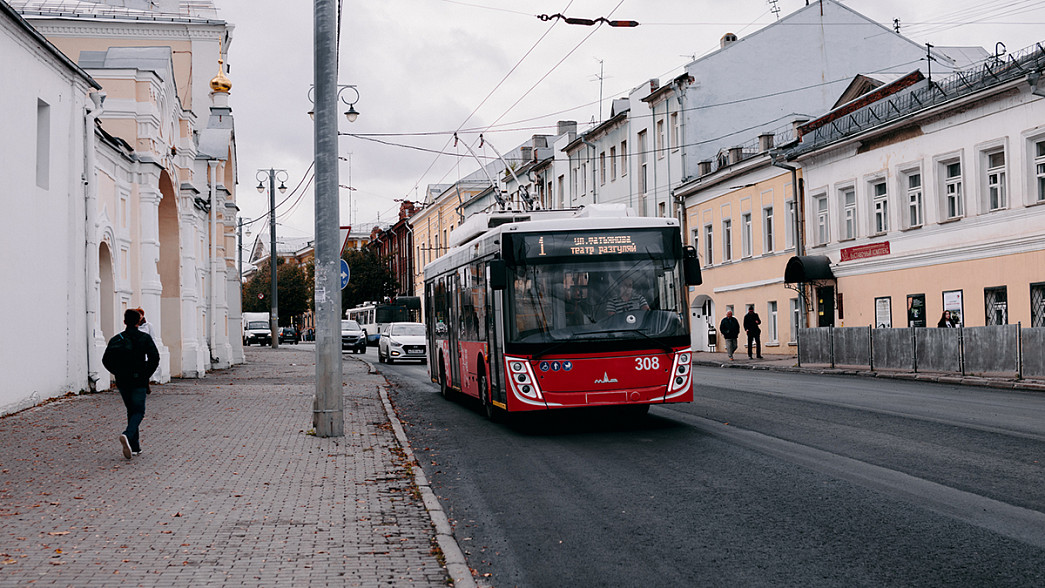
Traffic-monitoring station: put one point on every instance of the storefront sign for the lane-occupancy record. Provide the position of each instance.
(865, 251)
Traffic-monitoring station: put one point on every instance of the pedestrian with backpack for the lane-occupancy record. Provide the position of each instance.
(131, 357)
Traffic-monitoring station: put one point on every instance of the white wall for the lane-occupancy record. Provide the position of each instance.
(41, 229)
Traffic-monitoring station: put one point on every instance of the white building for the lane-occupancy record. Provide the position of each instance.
(147, 184)
(927, 198)
(44, 111)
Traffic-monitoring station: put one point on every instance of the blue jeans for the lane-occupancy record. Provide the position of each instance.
(134, 400)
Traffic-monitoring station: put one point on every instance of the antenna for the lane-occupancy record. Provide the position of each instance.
(774, 8)
(896, 25)
(600, 77)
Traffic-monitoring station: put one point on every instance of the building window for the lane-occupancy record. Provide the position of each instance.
(727, 239)
(574, 181)
(674, 130)
(914, 199)
(623, 158)
(996, 305)
(562, 190)
(695, 234)
(880, 202)
(660, 139)
(774, 335)
(43, 144)
(745, 234)
(613, 163)
(1039, 169)
(584, 179)
(602, 168)
(952, 190)
(1037, 305)
(642, 162)
(789, 228)
(996, 199)
(823, 229)
(767, 229)
(796, 317)
(847, 197)
(709, 236)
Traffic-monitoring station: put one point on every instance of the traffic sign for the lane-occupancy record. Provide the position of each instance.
(345, 273)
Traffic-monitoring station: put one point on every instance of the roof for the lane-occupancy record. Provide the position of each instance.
(155, 59)
(126, 10)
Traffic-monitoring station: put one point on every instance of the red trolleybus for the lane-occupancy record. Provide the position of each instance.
(556, 309)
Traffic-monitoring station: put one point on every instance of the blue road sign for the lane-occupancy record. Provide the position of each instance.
(344, 274)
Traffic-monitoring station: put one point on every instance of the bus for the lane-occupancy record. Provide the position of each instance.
(555, 309)
(372, 316)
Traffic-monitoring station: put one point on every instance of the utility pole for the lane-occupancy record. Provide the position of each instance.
(328, 414)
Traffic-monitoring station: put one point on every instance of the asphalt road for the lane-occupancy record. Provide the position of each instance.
(767, 479)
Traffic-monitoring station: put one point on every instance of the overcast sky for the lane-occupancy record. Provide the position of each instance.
(426, 68)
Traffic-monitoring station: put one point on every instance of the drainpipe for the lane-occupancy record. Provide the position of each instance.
(90, 186)
(594, 198)
(212, 167)
(799, 219)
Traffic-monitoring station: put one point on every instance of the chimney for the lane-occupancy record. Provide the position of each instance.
(654, 84)
(797, 123)
(727, 39)
(765, 142)
(566, 126)
(735, 155)
(704, 167)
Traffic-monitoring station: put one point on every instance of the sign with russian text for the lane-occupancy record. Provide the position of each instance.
(865, 251)
(537, 246)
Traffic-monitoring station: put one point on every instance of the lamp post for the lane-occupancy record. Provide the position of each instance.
(328, 414)
(272, 174)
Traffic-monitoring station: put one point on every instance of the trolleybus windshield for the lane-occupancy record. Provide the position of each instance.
(599, 298)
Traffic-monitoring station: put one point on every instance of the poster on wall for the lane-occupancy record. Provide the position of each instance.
(883, 312)
(952, 301)
(916, 310)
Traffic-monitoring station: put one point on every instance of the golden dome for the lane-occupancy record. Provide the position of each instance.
(220, 83)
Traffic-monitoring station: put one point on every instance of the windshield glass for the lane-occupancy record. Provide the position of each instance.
(408, 330)
(613, 299)
(350, 326)
(257, 325)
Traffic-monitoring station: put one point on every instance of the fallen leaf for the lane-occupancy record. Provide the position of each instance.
(58, 533)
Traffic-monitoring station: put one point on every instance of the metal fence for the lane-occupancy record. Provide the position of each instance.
(1009, 350)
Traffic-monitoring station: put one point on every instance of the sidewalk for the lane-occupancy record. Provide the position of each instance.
(230, 489)
(790, 364)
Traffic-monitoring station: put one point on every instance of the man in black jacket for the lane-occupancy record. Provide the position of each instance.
(729, 328)
(132, 358)
(754, 332)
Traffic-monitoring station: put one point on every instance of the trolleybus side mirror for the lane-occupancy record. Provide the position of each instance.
(691, 266)
(498, 275)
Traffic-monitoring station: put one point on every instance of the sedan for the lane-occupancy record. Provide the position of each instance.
(402, 341)
(289, 335)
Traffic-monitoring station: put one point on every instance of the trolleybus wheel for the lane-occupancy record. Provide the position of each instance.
(444, 387)
(492, 413)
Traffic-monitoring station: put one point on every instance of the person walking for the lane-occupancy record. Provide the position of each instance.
(754, 332)
(131, 357)
(145, 326)
(729, 328)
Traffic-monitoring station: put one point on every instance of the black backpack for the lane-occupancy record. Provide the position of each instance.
(123, 356)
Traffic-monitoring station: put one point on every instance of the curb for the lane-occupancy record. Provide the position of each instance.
(456, 564)
(937, 378)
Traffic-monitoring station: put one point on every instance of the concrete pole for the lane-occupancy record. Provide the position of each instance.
(274, 312)
(328, 407)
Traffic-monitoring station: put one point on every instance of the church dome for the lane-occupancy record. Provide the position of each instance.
(221, 83)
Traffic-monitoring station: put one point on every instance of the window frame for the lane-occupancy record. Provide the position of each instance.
(878, 192)
(912, 196)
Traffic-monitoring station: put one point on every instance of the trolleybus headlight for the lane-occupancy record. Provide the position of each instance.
(522, 378)
(518, 366)
(683, 368)
(526, 390)
(684, 358)
(679, 381)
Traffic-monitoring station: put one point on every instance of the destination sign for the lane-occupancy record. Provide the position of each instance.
(590, 244)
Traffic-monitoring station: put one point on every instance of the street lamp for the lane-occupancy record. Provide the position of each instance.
(351, 114)
(272, 174)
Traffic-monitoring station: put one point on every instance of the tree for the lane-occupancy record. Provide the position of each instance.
(294, 289)
(371, 278)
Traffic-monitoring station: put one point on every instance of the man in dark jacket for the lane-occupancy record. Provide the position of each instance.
(132, 358)
(729, 328)
(754, 332)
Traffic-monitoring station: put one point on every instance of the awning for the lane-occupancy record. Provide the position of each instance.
(808, 268)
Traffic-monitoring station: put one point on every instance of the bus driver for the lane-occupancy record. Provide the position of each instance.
(627, 300)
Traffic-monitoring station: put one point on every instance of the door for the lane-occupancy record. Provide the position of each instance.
(825, 304)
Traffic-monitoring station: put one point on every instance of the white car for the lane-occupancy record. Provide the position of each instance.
(402, 341)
